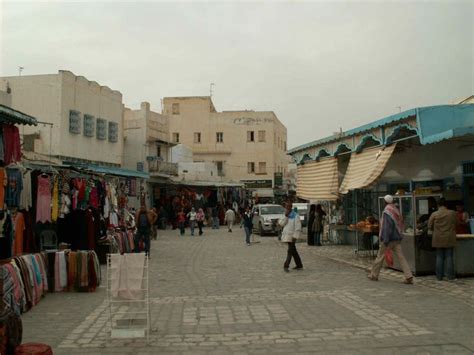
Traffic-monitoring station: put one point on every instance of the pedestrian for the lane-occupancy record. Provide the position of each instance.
(391, 234)
(144, 220)
(311, 216)
(154, 227)
(443, 224)
(247, 222)
(230, 218)
(318, 225)
(462, 220)
(181, 220)
(215, 217)
(291, 225)
(200, 217)
(192, 220)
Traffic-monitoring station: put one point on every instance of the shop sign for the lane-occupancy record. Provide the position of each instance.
(278, 178)
(257, 184)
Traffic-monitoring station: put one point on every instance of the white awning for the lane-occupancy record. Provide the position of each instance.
(317, 180)
(365, 168)
(263, 193)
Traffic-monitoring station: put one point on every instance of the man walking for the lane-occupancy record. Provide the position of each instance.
(247, 222)
(144, 220)
(443, 224)
(391, 229)
(291, 224)
(230, 218)
(215, 217)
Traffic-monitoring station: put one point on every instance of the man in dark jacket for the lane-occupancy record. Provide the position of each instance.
(391, 234)
(247, 222)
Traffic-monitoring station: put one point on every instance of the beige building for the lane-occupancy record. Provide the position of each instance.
(86, 118)
(146, 144)
(245, 145)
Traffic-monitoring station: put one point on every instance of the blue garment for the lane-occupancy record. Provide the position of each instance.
(292, 215)
(14, 187)
(444, 255)
(389, 231)
(36, 268)
(248, 232)
(247, 221)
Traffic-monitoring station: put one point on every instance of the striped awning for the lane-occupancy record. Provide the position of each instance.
(317, 180)
(11, 116)
(366, 167)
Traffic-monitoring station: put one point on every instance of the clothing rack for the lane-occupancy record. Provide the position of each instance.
(129, 317)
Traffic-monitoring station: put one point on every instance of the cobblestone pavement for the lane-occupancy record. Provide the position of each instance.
(215, 295)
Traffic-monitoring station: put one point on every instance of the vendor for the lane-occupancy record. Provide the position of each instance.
(462, 219)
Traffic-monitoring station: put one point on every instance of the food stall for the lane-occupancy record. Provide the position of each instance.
(416, 243)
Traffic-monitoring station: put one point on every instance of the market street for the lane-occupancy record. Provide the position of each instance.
(213, 294)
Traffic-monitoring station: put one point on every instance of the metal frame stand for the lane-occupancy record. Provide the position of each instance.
(129, 318)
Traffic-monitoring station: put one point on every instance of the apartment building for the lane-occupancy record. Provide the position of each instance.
(86, 118)
(247, 146)
(146, 142)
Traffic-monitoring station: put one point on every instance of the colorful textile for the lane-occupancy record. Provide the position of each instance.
(43, 203)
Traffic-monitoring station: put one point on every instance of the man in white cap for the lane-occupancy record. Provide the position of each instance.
(391, 234)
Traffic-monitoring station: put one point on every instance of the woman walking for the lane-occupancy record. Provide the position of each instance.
(318, 225)
(192, 220)
(200, 217)
(291, 224)
(311, 216)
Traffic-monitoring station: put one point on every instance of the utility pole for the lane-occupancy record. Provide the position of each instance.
(399, 109)
(20, 69)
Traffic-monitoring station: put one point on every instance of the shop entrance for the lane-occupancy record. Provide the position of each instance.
(468, 182)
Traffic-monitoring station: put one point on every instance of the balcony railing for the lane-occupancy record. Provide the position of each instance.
(163, 167)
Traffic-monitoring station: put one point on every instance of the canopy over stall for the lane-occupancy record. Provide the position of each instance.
(365, 168)
(318, 180)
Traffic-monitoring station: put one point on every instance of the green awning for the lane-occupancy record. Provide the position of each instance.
(11, 116)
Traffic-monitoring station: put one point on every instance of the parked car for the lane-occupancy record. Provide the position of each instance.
(303, 209)
(266, 217)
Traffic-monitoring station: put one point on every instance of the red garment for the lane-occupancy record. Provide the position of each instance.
(80, 185)
(462, 227)
(94, 198)
(11, 142)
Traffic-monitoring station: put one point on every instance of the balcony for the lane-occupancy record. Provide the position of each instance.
(162, 167)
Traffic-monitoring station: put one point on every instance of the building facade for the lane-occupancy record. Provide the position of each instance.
(246, 146)
(86, 118)
(146, 144)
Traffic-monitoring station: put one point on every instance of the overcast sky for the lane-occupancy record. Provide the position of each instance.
(318, 65)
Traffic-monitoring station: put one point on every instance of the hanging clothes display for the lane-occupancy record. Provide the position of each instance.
(11, 331)
(14, 186)
(19, 227)
(26, 200)
(3, 185)
(55, 201)
(11, 143)
(43, 201)
(6, 236)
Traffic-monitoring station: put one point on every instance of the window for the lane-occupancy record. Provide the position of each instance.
(175, 109)
(101, 129)
(279, 145)
(250, 136)
(284, 146)
(251, 167)
(197, 137)
(89, 125)
(261, 136)
(220, 137)
(113, 132)
(262, 167)
(176, 137)
(158, 151)
(220, 168)
(74, 122)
